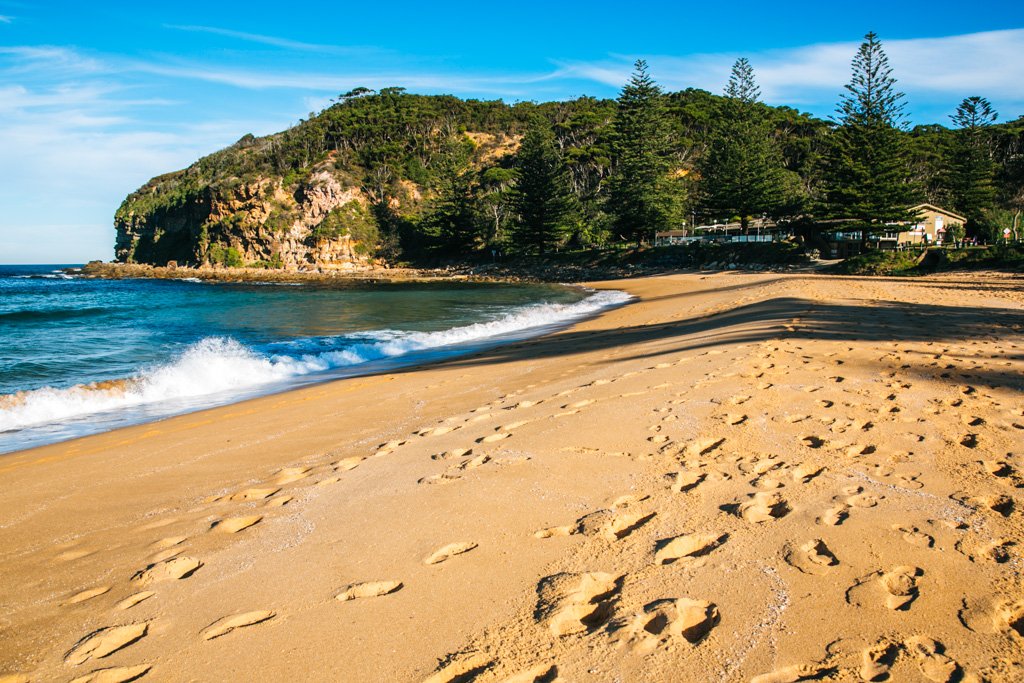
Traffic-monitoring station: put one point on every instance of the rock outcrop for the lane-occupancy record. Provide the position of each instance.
(256, 221)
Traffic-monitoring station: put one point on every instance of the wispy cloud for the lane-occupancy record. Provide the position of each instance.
(508, 85)
(5, 19)
(275, 41)
(949, 67)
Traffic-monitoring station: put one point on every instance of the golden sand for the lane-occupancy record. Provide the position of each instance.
(737, 478)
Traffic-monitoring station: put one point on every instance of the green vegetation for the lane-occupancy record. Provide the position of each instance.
(867, 174)
(973, 170)
(998, 257)
(220, 255)
(742, 174)
(444, 180)
(351, 219)
(642, 197)
(543, 200)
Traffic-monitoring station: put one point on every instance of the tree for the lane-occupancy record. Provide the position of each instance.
(543, 199)
(452, 222)
(867, 170)
(972, 175)
(742, 173)
(641, 197)
(496, 199)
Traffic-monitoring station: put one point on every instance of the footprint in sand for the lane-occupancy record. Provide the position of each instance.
(232, 525)
(1009, 616)
(914, 536)
(449, 551)
(291, 474)
(988, 615)
(669, 550)
(933, 663)
(703, 446)
(346, 464)
(369, 589)
(667, 620)
(170, 570)
(254, 494)
(686, 480)
(996, 502)
(105, 642)
(461, 669)
(452, 454)
(790, 674)
(86, 595)
(997, 551)
(813, 557)
(898, 587)
(610, 524)
(969, 441)
(116, 674)
(576, 603)
(541, 673)
(168, 542)
(877, 660)
(387, 448)
(550, 532)
(764, 507)
(226, 625)
(134, 599)
(766, 483)
(804, 473)
(1002, 470)
(493, 437)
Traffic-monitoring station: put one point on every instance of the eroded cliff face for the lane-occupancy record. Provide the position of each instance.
(261, 220)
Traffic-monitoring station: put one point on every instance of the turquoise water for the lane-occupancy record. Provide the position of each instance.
(185, 345)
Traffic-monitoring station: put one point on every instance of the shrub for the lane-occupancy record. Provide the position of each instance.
(351, 219)
(220, 255)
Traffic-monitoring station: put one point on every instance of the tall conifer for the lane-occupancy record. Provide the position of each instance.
(973, 169)
(543, 199)
(641, 198)
(742, 172)
(868, 175)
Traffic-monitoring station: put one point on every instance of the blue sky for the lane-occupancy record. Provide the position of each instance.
(97, 97)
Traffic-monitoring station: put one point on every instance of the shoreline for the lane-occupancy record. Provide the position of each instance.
(148, 412)
(585, 468)
(541, 272)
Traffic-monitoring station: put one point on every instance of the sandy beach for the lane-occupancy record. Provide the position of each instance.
(767, 477)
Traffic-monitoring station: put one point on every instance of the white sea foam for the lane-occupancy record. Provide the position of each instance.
(221, 367)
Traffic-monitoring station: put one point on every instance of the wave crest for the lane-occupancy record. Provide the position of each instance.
(219, 367)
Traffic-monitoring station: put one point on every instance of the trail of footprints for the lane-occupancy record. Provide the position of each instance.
(583, 604)
(579, 604)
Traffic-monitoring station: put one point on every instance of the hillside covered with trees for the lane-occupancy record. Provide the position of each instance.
(400, 177)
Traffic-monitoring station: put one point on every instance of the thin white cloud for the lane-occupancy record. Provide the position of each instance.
(4, 19)
(512, 85)
(986, 63)
(275, 41)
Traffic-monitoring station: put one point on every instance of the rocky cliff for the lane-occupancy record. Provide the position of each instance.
(327, 194)
(260, 220)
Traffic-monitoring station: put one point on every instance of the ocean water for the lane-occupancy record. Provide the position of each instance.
(80, 356)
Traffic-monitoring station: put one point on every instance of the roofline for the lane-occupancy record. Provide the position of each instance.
(938, 209)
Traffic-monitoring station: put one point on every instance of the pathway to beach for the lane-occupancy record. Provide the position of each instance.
(739, 477)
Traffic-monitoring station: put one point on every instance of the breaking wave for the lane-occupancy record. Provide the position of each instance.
(216, 370)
